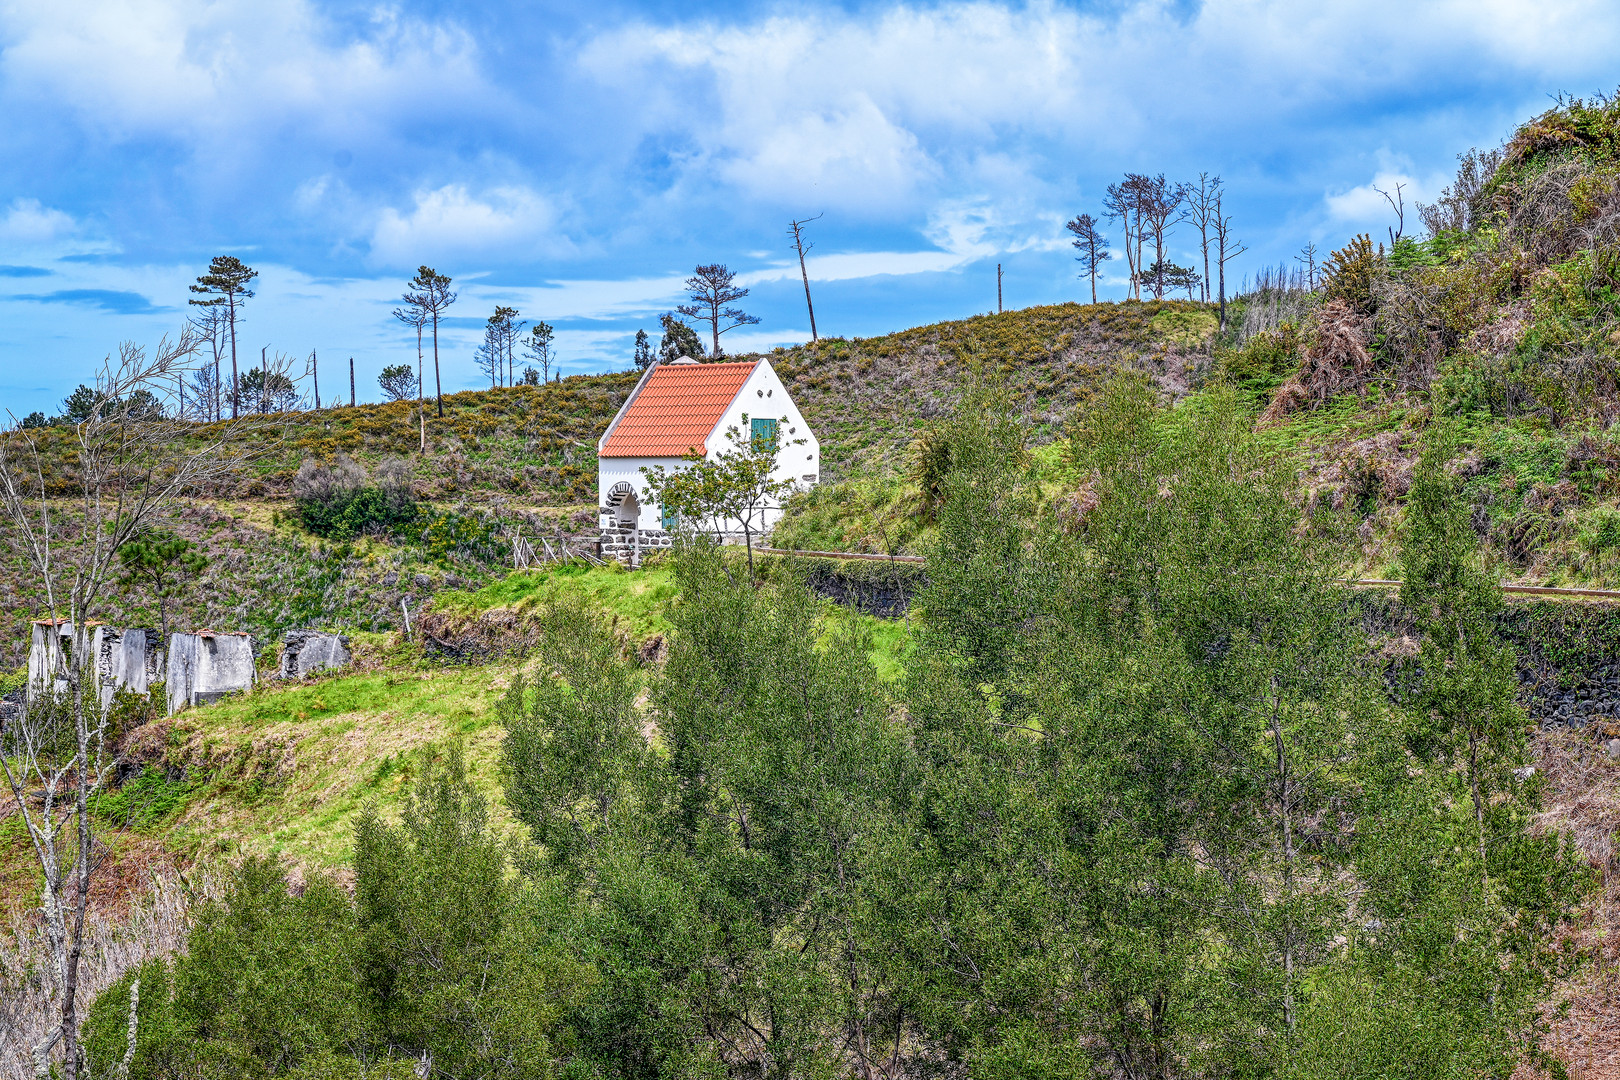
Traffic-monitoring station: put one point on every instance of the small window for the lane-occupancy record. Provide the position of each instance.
(671, 519)
(763, 433)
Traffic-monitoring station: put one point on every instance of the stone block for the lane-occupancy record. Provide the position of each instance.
(305, 652)
(206, 666)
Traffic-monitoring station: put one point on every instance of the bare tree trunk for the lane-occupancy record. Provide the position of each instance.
(804, 275)
(438, 382)
(236, 390)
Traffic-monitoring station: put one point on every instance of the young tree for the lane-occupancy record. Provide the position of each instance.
(1200, 213)
(1093, 248)
(398, 382)
(164, 565)
(643, 356)
(269, 388)
(56, 755)
(226, 285)
(429, 293)
(733, 490)
(712, 292)
(415, 316)
(537, 347)
(1167, 275)
(679, 340)
(796, 229)
(1469, 681)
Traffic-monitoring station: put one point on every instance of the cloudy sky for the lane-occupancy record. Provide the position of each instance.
(577, 160)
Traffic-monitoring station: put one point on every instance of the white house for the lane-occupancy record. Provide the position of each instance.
(685, 406)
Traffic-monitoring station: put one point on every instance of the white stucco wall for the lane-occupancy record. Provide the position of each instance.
(763, 395)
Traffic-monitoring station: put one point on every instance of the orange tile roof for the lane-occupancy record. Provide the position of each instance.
(677, 409)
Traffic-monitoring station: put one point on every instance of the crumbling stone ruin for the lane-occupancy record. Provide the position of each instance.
(305, 652)
(126, 659)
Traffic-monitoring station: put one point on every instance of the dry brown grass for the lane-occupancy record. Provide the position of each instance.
(149, 921)
(1583, 803)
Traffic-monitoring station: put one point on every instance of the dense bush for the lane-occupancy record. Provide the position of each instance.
(340, 502)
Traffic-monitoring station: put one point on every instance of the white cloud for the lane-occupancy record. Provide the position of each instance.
(1370, 204)
(228, 74)
(450, 221)
(27, 221)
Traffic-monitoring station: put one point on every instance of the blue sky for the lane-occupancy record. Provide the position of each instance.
(576, 161)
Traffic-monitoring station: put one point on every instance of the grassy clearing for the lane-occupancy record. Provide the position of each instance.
(284, 771)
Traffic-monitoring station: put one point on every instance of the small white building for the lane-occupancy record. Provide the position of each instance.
(682, 407)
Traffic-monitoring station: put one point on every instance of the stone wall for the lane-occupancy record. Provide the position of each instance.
(206, 666)
(876, 588)
(629, 545)
(304, 652)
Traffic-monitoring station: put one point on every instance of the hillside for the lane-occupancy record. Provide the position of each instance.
(1501, 328)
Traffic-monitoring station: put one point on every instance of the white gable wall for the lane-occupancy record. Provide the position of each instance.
(763, 395)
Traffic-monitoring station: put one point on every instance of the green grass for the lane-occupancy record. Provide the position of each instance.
(284, 770)
(635, 601)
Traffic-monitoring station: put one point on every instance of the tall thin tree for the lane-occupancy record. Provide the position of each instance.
(226, 285)
(1121, 204)
(1157, 200)
(416, 317)
(537, 347)
(430, 292)
(712, 291)
(1092, 245)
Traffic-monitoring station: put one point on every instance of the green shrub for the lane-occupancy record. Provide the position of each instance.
(339, 503)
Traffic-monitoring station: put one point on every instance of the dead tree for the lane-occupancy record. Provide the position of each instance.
(1158, 200)
(1227, 249)
(796, 228)
(132, 462)
(1397, 203)
(1200, 214)
(1122, 204)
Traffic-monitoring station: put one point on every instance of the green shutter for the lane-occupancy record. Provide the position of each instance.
(670, 518)
(763, 433)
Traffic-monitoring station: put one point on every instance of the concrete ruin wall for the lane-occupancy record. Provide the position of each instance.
(129, 659)
(305, 652)
(49, 652)
(206, 666)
